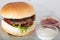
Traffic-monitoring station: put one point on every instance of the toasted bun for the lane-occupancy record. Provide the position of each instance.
(15, 31)
(17, 10)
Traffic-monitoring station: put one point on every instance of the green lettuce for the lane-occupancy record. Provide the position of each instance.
(21, 28)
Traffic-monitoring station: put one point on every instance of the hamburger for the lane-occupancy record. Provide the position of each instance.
(18, 18)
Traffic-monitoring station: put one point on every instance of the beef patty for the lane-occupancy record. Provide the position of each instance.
(25, 22)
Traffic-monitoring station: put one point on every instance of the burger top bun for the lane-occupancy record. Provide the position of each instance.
(17, 10)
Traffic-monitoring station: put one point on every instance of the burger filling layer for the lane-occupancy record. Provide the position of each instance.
(23, 24)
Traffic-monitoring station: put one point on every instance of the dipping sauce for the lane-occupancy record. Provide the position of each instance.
(50, 21)
(46, 33)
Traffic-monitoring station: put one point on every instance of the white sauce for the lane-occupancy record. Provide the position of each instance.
(46, 33)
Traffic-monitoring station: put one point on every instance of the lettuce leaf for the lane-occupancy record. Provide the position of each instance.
(21, 28)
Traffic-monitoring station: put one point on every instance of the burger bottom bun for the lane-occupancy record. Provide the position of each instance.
(15, 31)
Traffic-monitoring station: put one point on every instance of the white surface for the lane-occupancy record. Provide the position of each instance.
(42, 7)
